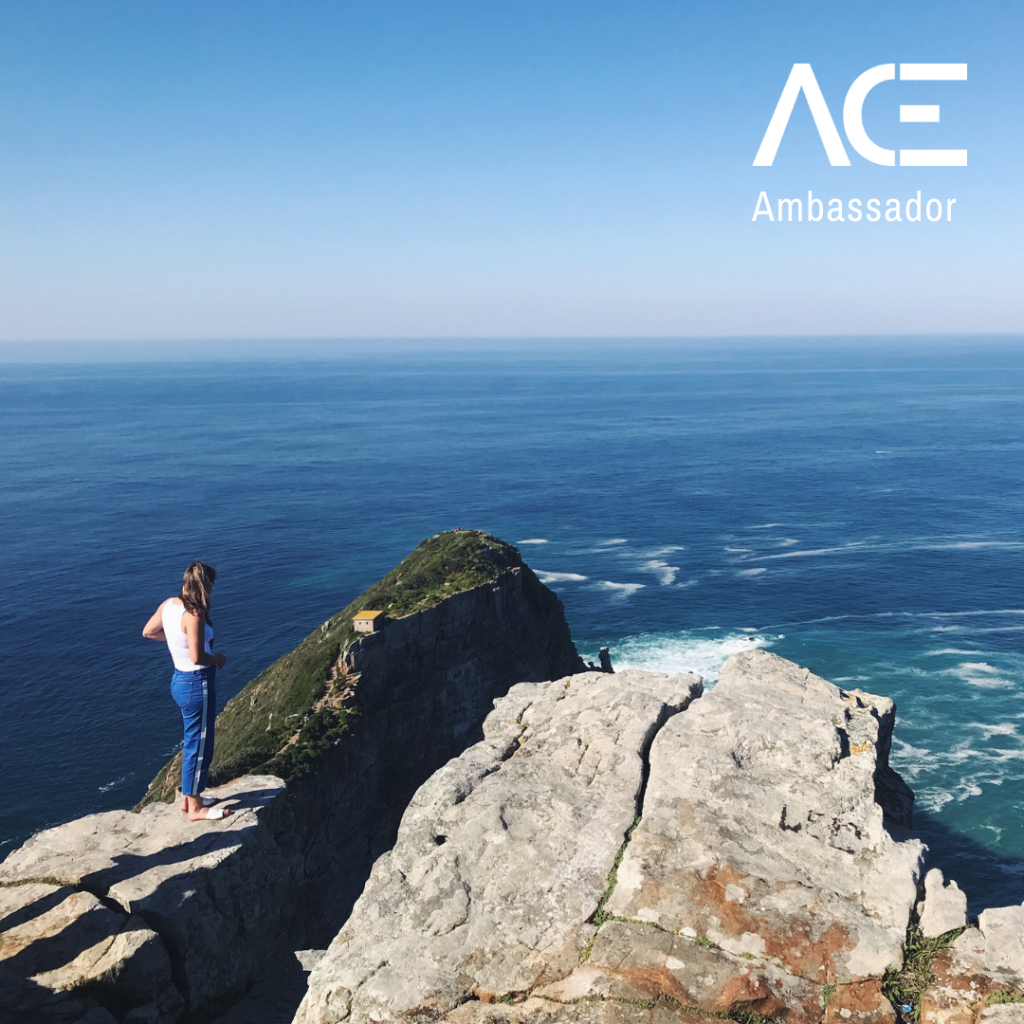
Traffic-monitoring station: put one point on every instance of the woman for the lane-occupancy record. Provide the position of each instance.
(184, 622)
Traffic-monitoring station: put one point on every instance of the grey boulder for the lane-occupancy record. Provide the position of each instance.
(944, 908)
(766, 874)
(502, 856)
(128, 894)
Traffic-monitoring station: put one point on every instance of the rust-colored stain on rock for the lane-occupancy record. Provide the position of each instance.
(860, 1003)
(797, 943)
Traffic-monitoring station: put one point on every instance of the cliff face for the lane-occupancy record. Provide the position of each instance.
(600, 848)
(423, 687)
(355, 724)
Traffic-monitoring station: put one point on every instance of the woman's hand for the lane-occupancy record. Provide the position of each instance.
(219, 660)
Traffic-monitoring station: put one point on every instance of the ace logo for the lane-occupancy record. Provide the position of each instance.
(801, 79)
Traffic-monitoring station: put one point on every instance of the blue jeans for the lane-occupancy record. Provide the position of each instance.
(196, 694)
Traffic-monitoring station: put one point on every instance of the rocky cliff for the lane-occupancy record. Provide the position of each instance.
(752, 873)
(353, 725)
(616, 851)
(599, 848)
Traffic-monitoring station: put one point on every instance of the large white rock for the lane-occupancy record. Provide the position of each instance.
(761, 830)
(974, 969)
(762, 877)
(502, 856)
(1003, 932)
(57, 943)
(129, 894)
(945, 906)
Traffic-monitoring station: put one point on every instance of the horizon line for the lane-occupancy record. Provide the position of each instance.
(309, 348)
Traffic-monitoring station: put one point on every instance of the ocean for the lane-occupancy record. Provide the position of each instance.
(857, 510)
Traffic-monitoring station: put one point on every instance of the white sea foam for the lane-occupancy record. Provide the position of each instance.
(622, 590)
(117, 782)
(857, 547)
(558, 577)
(752, 572)
(873, 545)
(668, 549)
(737, 551)
(988, 731)
(964, 545)
(614, 540)
(683, 652)
(979, 673)
(950, 650)
(532, 540)
(1000, 756)
(787, 542)
(934, 799)
(666, 573)
(764, 526)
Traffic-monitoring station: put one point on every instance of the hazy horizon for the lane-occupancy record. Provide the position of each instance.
(313, 349)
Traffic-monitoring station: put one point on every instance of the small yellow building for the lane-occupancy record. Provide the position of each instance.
(368, 622)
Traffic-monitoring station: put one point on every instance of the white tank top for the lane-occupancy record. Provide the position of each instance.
(177, 638)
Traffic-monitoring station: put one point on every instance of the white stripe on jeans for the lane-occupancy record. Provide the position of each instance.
(202, 747)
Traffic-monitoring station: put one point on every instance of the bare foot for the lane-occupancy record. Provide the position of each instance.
(202, 813)
(205, 801)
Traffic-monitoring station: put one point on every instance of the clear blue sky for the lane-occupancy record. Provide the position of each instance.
(423, 169)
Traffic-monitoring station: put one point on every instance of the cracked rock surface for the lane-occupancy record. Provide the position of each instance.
(761, 829)
(981, 965)
(763, 876)
(149, 909)
(502, 856)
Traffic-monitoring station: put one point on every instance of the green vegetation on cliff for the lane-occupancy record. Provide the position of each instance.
(283, 721)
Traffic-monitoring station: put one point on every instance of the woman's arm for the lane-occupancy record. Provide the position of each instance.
(195, 629)
(154, 629)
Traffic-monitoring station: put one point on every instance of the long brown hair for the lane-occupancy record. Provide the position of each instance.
(195, 588)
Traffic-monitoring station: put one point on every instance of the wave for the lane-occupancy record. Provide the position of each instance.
(558, 577)
(614, 540)
(117, 782)
(622, 590)
(666, 573)
(868, 616)
(684, 651)
(857, 547)
(752, 572)
(532, 540)
(988, 731)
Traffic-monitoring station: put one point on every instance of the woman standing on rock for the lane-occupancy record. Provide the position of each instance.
(184, 622)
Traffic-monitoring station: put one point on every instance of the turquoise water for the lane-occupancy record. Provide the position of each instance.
(856, 511)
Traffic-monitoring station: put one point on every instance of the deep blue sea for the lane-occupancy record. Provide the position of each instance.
(857, 511)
